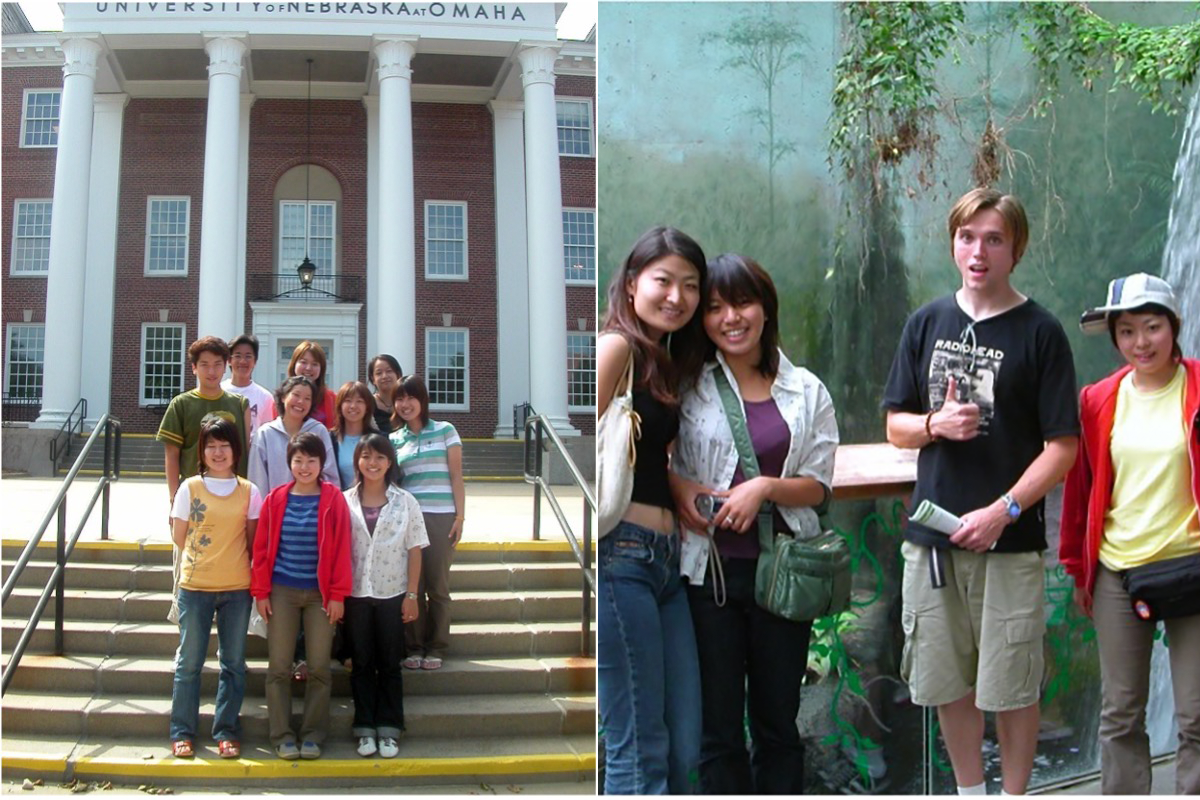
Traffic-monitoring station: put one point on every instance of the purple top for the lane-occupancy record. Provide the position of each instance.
(772, 439)
(371, 516)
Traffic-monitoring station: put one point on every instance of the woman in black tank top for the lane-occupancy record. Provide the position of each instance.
(649, 677)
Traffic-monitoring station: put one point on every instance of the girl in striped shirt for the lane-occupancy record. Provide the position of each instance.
(429, 454)
(301, 571)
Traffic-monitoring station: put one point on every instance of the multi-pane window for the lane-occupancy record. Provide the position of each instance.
(445, 240)
(446, 367)
(316, 228)
(574, 127)
(162, 363)
(167, 235)
(31, 237)
(581, 371)
(23, 361)
(39, 122)
(579, 244)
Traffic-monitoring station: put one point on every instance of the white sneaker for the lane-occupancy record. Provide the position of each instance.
(366, 746)
(388, 747)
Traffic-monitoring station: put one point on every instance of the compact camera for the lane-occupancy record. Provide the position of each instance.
(708, 505)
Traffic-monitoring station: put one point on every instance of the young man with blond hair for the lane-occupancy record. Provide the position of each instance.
(984, 385)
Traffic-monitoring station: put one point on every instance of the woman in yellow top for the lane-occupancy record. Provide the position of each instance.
(213, 521)
(1131, 511)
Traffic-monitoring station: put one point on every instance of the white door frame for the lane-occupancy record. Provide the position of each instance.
(336, 321)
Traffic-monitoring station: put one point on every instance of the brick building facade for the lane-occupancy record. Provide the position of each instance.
(457, 259)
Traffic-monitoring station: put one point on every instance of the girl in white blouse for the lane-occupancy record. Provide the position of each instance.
(387, 534)
(751, 662)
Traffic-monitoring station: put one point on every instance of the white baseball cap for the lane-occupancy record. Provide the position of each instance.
(1132, 291)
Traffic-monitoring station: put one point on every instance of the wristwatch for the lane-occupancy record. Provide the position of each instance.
(1011, 506)
(411, 596)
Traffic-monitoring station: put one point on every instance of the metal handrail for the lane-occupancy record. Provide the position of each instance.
(65, 430)
(57, 582)
(535, 425)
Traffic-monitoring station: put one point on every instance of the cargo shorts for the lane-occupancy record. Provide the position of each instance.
(981, 632)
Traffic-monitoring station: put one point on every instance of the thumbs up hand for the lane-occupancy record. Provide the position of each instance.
(954, 420)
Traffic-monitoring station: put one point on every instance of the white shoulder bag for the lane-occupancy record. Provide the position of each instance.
(616, 431)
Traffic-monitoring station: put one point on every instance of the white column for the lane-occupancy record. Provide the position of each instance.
(512, 261)
(543, 203)
(219, 215)
(68, 235)
(104, 188)
(396, 280)
(371, 105)
(243, 183)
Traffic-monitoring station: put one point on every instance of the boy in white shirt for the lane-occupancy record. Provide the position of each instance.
(242, 360)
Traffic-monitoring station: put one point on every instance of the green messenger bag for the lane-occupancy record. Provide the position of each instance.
(797, 579)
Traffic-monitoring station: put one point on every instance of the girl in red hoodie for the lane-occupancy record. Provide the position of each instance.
(1132, 500)
(301, 570)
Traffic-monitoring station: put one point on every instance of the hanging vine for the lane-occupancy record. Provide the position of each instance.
(885, 92)
(1157, 63)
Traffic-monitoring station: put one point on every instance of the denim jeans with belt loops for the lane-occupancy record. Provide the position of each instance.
(649, 675)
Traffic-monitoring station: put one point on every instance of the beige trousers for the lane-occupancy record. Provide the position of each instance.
(1125, 643)
(288, 607)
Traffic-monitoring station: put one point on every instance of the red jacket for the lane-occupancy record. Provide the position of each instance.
(334, 575)
(1089, 483)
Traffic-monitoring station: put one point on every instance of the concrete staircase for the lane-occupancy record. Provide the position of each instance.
(514, 702)
(142, 456)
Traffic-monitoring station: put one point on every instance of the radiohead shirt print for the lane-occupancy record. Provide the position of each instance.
(975, 369)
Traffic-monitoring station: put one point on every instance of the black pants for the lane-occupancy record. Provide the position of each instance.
(376, 632)
(750, 661)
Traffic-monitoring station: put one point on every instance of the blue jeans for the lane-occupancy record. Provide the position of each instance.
(196, 611)
(648, 673)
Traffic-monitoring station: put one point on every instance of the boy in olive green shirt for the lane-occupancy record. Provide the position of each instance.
(180, 428)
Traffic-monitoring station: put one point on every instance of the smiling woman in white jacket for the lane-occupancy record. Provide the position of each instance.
(268, 449)
(749, 659)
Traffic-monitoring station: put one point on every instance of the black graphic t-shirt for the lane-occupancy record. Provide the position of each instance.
(1017, 368)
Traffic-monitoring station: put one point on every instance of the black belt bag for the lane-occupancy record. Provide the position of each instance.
(1164, 589)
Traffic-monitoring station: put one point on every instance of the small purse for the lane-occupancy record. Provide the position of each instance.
(1164, 589)
(797, 579)
(616, 455)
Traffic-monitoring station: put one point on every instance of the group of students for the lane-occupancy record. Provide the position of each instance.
(983, 384)
(352, 509)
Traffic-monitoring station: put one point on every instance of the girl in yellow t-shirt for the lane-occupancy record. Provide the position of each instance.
(213, 521)
(1132, 499)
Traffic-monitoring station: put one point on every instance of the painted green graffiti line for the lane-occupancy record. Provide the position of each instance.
(827, 650)
(1065, 626)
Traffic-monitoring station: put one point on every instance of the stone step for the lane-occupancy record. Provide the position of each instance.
(152, 606)
(114, 715)
(95, 674)
(161, 639)
(527, 577)
(558, 764)
(153, 550)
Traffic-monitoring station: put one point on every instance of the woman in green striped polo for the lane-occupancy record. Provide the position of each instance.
(429, 454)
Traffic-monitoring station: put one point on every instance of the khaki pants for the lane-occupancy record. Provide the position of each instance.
(430, 634)
(288, 607)
(981, 632)
(1125, 643)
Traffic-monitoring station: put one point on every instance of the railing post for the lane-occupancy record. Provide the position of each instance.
(60, 557)
(107, 477)
(587, 565)
(537, 487)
